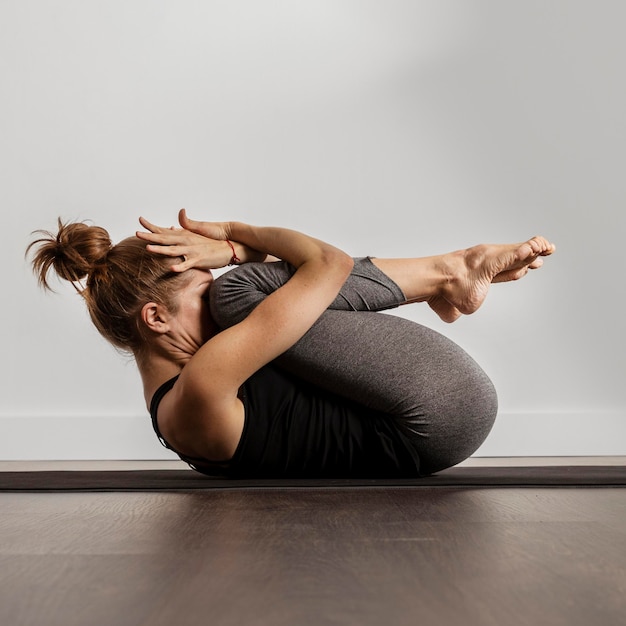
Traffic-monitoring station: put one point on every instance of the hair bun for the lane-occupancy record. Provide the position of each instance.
(73, 252)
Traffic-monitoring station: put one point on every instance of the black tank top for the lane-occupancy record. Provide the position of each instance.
(293, 429)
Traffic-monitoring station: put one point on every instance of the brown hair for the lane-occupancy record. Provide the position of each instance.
(120, 279)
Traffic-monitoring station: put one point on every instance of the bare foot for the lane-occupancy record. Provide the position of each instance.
(446, 311)
(473, 270)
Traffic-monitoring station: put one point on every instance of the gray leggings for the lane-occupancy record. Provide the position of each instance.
(437, 394)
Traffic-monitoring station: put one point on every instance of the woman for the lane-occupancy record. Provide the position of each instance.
(261, 372)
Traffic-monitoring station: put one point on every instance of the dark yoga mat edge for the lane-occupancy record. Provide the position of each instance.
(184, 480)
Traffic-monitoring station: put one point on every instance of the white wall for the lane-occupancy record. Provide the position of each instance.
(389, 127)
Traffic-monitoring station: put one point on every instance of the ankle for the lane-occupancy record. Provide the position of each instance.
(450, 269)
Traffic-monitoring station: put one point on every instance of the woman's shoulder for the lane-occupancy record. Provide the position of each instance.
(197, 425)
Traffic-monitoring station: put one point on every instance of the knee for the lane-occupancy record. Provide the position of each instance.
(460, 419)
(237, 292)
(473, 405)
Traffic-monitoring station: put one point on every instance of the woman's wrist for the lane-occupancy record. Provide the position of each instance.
(234, 259)
(239, 253)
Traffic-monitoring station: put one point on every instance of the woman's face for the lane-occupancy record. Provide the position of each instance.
(193, 318)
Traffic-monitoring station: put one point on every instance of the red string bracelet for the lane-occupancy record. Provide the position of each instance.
(235, 259)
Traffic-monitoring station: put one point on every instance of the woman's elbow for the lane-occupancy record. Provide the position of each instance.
(338, 263)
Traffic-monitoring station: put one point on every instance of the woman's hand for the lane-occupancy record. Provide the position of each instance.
(196, 250)
(203, 245)
(213, 230)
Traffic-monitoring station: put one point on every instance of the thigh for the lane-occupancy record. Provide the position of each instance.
(437, 394)
(388, 363)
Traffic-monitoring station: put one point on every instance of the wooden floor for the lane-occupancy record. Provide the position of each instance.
(362, 556)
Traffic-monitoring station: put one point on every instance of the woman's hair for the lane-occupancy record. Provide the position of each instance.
(120, 279)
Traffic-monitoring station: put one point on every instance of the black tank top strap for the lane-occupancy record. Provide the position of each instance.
(201, 465)
(154, 407)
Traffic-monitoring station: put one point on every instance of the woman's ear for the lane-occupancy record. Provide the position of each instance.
(155, 317)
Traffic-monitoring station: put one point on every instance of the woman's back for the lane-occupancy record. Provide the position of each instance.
(296, 429)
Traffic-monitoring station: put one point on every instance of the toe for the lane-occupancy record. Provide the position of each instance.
(528, 249)
(544, 247)
(510, 275)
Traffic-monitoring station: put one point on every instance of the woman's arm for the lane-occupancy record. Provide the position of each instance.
(209, 415)
(210, 245)
(236, 293)
(209, 250)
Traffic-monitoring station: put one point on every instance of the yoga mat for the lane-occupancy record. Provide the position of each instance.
(185, 480)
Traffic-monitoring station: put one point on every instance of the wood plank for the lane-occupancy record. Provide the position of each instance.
(300, 557)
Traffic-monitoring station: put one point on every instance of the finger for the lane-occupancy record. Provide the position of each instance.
(154, 237)
(172, 251)
(153, 228)
(191, 225)
(181, 267)
(167, 237)
(186, 222)
(188, 262)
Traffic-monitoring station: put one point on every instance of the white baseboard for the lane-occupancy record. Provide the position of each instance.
(555, 433)
(47, 438)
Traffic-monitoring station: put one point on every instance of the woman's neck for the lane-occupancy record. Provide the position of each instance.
(155, 369)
